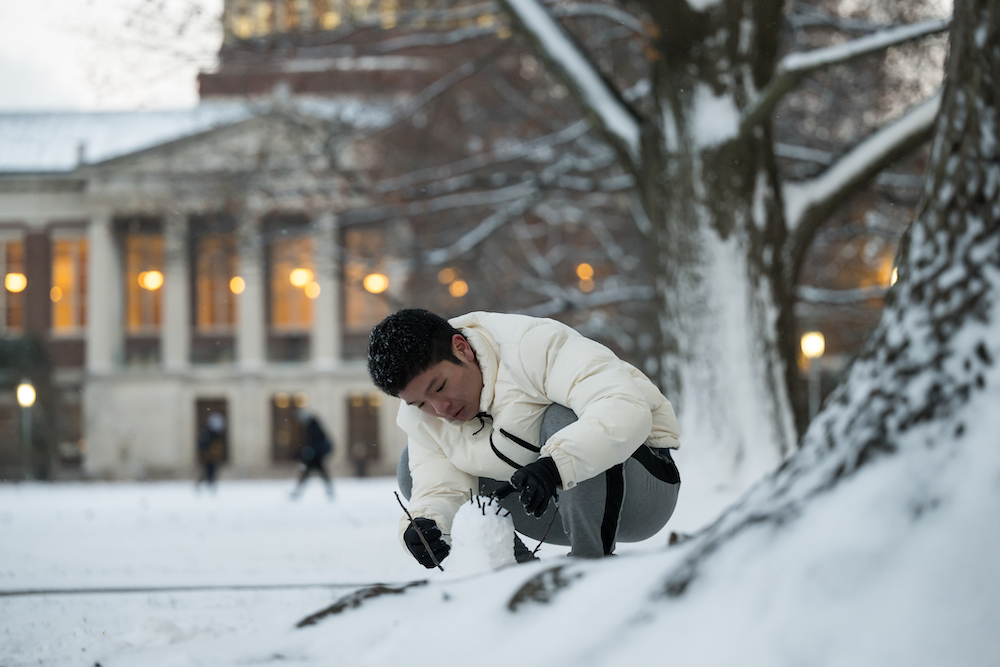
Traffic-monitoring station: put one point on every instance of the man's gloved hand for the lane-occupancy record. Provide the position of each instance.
(432, 534)
(537, 483)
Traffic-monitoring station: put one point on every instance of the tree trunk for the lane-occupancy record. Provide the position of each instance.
(727, 317)
(932, 358)
(930, 350)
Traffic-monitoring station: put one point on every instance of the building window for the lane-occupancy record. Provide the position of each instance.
(366, 284)
(293, 284)
(143, 283)
(69, 285)
(216, 283)
(12, 295)
(287, 433)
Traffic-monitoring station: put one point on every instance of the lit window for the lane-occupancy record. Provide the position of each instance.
(291, 15)
(361, 8)
(69, 285)
(388, 13)
(12, 300)
(331, 20)
(262, 18)
(216, 282)
(243, 27)
(143, 279)
(364, 272)
(291, 274)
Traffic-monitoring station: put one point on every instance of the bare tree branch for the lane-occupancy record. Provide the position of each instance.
(506, 154)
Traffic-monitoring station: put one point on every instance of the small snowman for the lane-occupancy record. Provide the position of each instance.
(482, 537)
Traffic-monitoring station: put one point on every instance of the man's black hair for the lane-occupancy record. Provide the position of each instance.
(405, 344)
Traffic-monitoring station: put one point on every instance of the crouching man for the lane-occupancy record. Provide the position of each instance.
(498, 403)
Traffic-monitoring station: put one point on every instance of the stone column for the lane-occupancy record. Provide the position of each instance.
(175, 338)
(105, 297)
(251, 319)
(325, 339)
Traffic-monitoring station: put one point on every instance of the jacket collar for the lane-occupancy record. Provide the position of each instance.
(489, 362)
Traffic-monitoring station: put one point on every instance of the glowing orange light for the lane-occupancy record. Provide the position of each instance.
(237, 285)
(151, 280)
(300, 277)
(312, 290)
(585, 272)
(459, 288)
(25, 395)
(813, 344)
(446, 276)
(376, 283)
(15, 282)
(55, 294)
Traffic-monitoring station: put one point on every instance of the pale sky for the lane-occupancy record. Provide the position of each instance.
(102, 54)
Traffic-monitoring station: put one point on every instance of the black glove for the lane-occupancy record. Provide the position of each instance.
(432, 534)
(537, 483)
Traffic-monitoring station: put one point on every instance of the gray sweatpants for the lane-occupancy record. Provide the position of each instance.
(627, 503)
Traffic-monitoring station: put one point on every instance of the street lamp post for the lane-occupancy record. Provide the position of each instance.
(813, 346)
(26, 399)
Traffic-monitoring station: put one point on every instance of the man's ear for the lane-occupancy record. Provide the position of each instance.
(462, 349)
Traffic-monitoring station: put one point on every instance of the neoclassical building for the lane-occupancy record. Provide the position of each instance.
(181, 263)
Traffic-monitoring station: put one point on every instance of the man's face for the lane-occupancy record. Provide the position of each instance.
(447, 390)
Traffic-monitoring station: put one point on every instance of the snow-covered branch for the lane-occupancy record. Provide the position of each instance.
(438, 204)
(604, 11)
(507, 153)
(602, 102)
(795, 66)
(434, 38)
(481, 232)
(577, 300)
(839, 296)
(812, 199)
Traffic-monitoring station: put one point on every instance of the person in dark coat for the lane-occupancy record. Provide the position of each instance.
(211, 449)
(316, 446)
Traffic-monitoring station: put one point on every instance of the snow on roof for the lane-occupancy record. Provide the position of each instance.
(40, 142)
(60, 141)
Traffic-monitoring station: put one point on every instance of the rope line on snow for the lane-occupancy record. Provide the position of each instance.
(111, 590)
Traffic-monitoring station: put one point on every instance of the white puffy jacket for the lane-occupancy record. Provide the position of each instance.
(529, 363)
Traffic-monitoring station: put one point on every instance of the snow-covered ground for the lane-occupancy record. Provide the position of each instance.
(897, 565)
(155, 573)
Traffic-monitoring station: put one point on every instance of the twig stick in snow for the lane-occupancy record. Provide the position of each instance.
(420, 533)
(554, 515)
